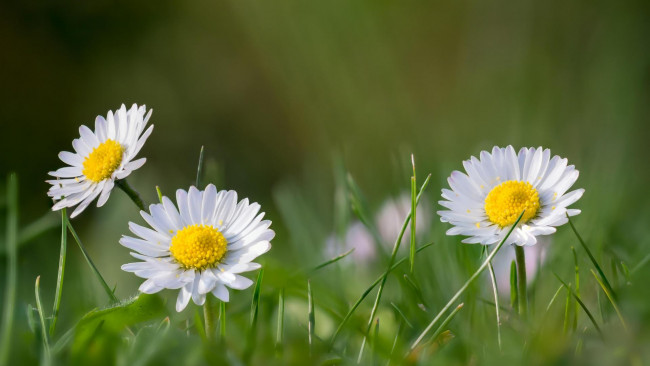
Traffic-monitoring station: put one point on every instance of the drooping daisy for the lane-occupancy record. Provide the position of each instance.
(100, 158)
(199, 248)
(484, 203)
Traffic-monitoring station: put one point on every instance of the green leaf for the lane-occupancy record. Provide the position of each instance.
(115, 319)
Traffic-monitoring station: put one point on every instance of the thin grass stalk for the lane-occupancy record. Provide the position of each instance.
(496, 302)
(12, 268)
(367, 292)
(90, 262)
(413, 215)
(466, 285)
(311, 317)
(577, 279)
(611, 299)
(591, 257)
(61, 273)
(279, 335)
(567, 309)
(582, 304)
(39, 308)
(390, 263)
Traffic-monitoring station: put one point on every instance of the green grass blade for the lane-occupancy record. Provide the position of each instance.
(311, 316)
(333, 260)
(611, 300)
(279, 335)
(251, 339)
(401, 314)
(255, 304)
(375, 344)
(567, 309)
(445, 322)
(39, 308)
(496, 302)
(367, 292)
(90, 262)
(198, 324)
(416, 289)
(413, 214)
(11, 243)
(467, 283)
(392, 349)
(441, 328)
(584, 307)
(641, 263)
(61, 272)
(550, 303)
(396, 246)
(199, 169)
(591, 257)
(577, 278)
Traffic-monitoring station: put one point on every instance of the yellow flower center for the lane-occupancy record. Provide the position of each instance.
(505, 202)
(198, 246)
(103, 161)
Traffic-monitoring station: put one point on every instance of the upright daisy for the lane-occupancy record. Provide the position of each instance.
(199, 248)
(484, 203)
(100, 158)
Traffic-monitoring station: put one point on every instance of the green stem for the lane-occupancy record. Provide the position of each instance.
(133, 195)
(520, 258)
(59, 278)
(208, 315)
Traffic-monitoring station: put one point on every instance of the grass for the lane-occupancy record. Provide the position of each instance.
(429, 311)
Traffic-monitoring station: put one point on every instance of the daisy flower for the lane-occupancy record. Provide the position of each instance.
(484, 203)
(100, 158)
(199, 247)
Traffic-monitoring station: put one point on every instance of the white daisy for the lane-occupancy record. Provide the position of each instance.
(484, 203)
(100, 158)
(201, 249)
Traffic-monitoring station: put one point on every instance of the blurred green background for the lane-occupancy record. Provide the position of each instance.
(278, 91)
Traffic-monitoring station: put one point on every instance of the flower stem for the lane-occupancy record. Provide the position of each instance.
(59, 278)
(520, 258)
(208, 315)
(133, 195)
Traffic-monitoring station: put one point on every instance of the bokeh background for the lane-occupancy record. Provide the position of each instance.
(281, 94)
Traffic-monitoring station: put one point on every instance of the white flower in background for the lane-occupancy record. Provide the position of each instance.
(391, 217)
(389, 221)
(357, 237)
(199, 248)
(484, 203)
(100, 158)
(535, 258)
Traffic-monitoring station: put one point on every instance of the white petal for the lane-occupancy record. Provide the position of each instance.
(183, 298)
